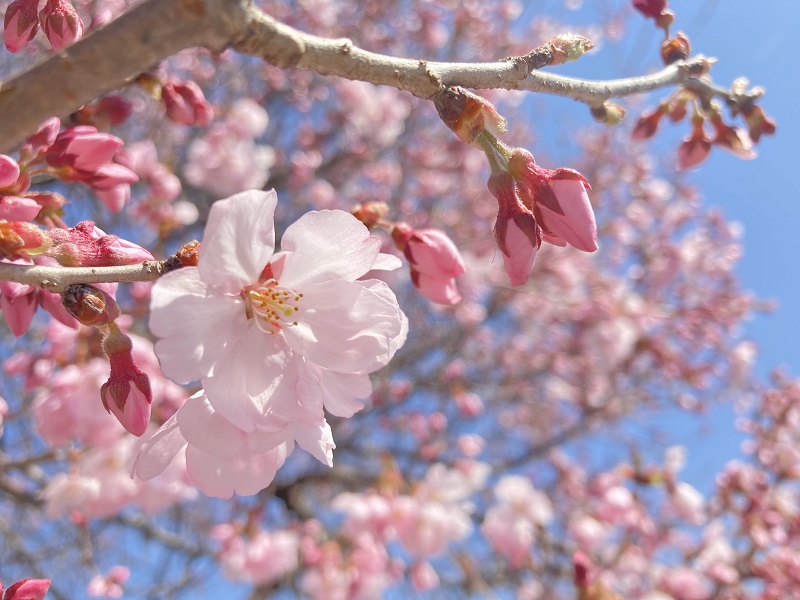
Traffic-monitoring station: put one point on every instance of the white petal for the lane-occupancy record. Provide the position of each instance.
(387, 262)
(346, 326)
(244, 475)
(253, 383)
(206, 430)
(316, 438)
(194, 322)
(239, 240)
(157, 453)
(343, 391)
(325, 245)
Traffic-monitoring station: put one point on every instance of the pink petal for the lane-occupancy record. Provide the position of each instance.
(195, 324)
(437, 289)
(253, 382)
(158, 452)
(316, 438)
(522, 254)
(239, 240)
(577, 225)
(325, 245)
(17, 208)
(349, 327)
(206, 430)
(18, 312)
(246, 475)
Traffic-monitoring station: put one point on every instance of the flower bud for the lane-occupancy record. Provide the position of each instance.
(21, 24)
(9, 171)
(126, 394)
(647, 125)
(60, 23)
(652, 9)
(468, 115)
(609, 113)
(86, 245)
(91, 306)
(187, 256)
(18, 239)
(371, 213)
(27, 589)
(568, 47)
(186, 104)
(675, 49)
(434, 260)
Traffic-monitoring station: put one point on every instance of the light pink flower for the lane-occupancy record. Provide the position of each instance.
(273, 339)
(240, 318)
(261, 559)
(18, 208)
(109, 586)
(511, 525)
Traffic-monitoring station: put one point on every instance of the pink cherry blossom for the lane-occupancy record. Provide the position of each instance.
(262, 559)
(240, 318)
(109, 586)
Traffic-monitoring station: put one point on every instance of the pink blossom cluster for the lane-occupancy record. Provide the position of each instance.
(227, 159)
(262, 557)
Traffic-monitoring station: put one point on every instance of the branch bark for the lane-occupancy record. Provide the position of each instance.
(56, 279)
(156, 29)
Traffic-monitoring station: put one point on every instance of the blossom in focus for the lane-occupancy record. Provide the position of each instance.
(272, 337)
(434, 260)
(127, 393)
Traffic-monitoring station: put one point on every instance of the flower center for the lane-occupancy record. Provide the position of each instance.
(272, 306)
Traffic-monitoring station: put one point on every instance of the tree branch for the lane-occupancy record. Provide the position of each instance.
(156, 29)
(56, 279)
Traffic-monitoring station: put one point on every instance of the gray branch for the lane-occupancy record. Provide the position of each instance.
(56, 279)
(154, 30)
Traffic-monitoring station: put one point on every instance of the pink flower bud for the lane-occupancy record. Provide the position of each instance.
(86, 245)
(82, 148)
(647, 125)
(60, 23)
(732, 139)
(18, 304)
(651, 9)
(127, 393)
(516, 232)
(17, 239)
(18, 208)
(9, 171)
(21, 24)
(186, 104)
(27, 589)
(42, 139)
(558, 199)
(435, 262)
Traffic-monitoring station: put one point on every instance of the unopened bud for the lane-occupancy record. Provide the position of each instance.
(60, 23)
(371, 213)
(187, 256)
(127, 393)
(675, 49)
(647, 125)
(91, 306)
(9, 171)
(758, 123)
(609, 113)
(85, 245)
(19, 240)
(468, 115)
(568, 47)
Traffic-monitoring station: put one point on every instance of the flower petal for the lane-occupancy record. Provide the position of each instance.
(206, 430)
(253, 382)
(157, 452)
(347, 326)
(195, 323)
(325, 245)
(239, 240)
(245, 475)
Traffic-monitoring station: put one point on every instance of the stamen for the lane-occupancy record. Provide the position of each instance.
(271, 305)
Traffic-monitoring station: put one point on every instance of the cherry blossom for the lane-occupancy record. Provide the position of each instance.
(272, 337)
